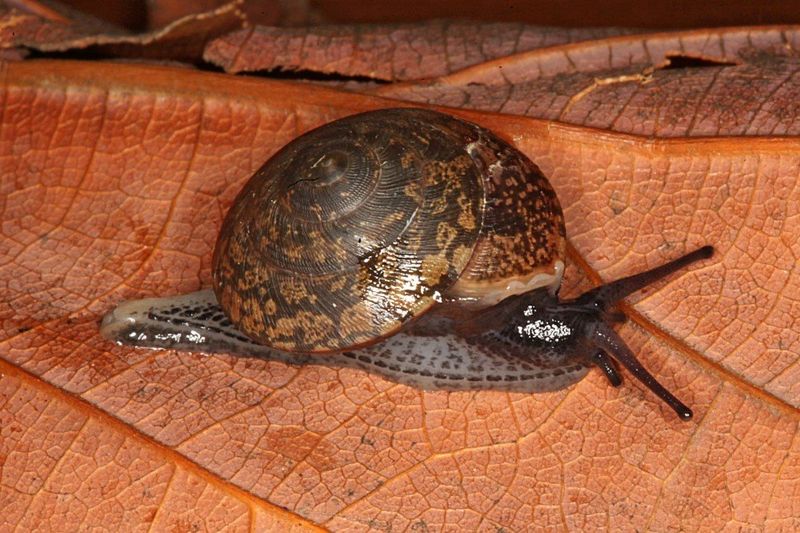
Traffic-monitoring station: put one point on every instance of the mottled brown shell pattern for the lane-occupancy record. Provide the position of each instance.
(523, 232)
(355, 228)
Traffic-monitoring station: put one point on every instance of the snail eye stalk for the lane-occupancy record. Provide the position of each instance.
(608, 342)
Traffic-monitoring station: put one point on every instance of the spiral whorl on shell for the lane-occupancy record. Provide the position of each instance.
(354, 228)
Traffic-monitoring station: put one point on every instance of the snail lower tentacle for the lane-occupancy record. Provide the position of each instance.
(607, 366)
(607, 339)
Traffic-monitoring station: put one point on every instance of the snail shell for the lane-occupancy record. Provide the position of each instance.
(355, 228)
(352, 232)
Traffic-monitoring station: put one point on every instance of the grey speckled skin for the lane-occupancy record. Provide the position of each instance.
(195, 322)
(531, 342)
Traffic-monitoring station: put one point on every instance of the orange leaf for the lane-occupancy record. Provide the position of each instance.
(55, 28)
(115, 179)
(385, 52)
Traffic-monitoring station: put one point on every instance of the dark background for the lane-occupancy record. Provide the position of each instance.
(143, 14)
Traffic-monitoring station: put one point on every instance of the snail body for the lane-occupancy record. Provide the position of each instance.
(408, 243)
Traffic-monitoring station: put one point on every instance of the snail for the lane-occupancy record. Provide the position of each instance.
(408, 243)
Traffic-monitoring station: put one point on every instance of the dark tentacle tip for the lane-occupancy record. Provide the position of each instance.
(705, 252)
(685, 414)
